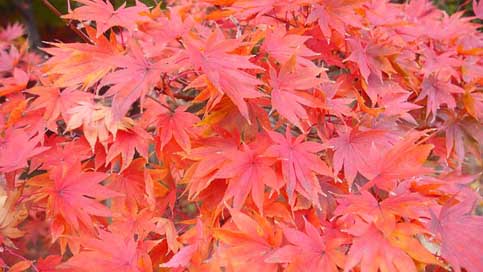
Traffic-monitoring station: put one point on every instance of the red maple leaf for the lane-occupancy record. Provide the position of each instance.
(82, 64)
(370, 57)
(17, 82)
(335, 15)
(136, 77)
(403, 160)
(459, 233)
(17, 147)
(11, 32)
(438, 92)
(300, 164)
(126, 143)
(209, 158)
(105, 16)
(310, 250)
(283, 46)
(374, 252)
(248, 170)
(290, 91)
(71, 199)
(351, 149)
(55, 103)
(178, 125)
(131, 185)
(384, 214)
(478, 8)
(224, 69)
(248, 241)
(118, 251)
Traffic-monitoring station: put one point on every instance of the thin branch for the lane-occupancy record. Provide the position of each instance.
(181, 74)
(183, 97)
(13, 253)
(52, 8)
(159, 102)
(25, 9)
(285, 21)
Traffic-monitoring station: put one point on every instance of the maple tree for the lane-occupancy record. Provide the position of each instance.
(220, 135)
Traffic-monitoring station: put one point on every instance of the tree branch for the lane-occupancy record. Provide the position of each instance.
(25, 9)
(81, 34)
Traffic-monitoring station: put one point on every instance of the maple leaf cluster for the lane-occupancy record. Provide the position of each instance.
(225, 135)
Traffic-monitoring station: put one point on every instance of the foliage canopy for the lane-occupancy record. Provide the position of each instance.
(221, 135)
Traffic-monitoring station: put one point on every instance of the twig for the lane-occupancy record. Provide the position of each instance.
(181, 74)
(122, 37)
(81, 34)
(159, 102)
(25, 9)
(183, 97)
(8, 250)
(287, 22)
